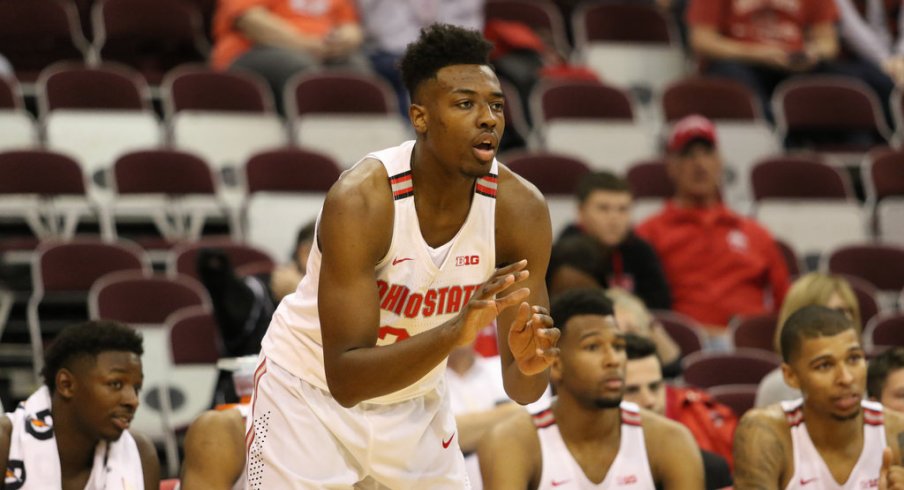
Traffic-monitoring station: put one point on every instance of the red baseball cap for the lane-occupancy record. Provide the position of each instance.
(689, 129)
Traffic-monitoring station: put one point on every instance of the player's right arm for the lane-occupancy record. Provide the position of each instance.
(760, 455)
(214, 451)
(354, 234)
(509, 455)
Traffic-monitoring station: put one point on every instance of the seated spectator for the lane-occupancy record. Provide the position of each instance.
(810, 289)
(718, 263)
(634, 317)
(870, 30)
(280, 38)
(286, 277)
(761, 44)
(478, 401)
(389, 26)
(885, 379)
(73, 432)
(622, 260)
(711, 423)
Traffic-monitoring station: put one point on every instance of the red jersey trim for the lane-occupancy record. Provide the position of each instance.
(544, 419)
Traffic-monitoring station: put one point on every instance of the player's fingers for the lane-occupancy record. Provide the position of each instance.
(498, 284)
(511, 268)
(522, 319)
(540, 310)
(549, 353)
(550, 334)
(540, 320)
(512, 299)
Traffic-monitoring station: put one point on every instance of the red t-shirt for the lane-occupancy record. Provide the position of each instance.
(779, 22)
(315, 18)
(717, 263)
(711, 423)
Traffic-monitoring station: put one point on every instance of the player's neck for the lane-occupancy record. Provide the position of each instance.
(827, 432)
(434, 180)
(578, 421)
(76, 449)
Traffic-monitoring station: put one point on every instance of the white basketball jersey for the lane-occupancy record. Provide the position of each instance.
(415, 294)
(811, 472)
(630, 469)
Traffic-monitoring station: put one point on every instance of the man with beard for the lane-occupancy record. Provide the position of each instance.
(589, 437)
(831, 435)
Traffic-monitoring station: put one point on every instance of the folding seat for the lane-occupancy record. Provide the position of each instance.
(62, 273)
(224, 117)
(685, 331)
(286, 189)
(184, 258)
(754, 331)
(344, 115)
(46, 191)
(885, 330)
(739, 397)
(830, 114)
(807, 204)
(95, 114)
(591, 121)
(880, 265)
(557, 177)
(151, 36)
(651, 187)
(175, 191)
(867, 297)
(792, 261)
(542, 16)
(883, 180)
(38, 33)
(628, 44)
(743, 366)
(17, 129)
(719, 99)
(145, 302)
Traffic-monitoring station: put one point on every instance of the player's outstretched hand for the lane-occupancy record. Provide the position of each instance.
(532, 339)
(483, 307)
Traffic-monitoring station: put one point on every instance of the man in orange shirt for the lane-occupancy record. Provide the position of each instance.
(718, 263)
(279, 38)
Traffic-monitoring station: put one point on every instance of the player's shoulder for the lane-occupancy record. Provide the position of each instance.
(516, 190)
(520, 428)
(361, 191)
(771, 418)
(219, 420)
(659, 429)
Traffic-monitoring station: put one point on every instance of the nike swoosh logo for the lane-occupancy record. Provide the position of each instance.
(399, 261)
(446, 443)
(804, 482)
(557, 483)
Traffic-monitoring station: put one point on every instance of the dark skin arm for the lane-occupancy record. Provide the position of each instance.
(510, 455)
(527, 330)
(348, 299)
(759, 452)
(891, 476)
(6, 432)
(150, 466)
(664, 439)
(214, 451)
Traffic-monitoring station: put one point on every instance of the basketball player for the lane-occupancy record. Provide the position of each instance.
(831, 438)
(72, 433)
(418, 248)
(214, 450)
(589, 437)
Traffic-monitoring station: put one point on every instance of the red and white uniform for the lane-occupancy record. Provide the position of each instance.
(811, 472)
(629, 470)
(420, 288)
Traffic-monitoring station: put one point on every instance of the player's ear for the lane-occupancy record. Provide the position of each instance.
(65, 383)
(790, 378)
(418, 116)
(555, 370)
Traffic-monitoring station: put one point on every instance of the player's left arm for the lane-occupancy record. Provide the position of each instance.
(893, 467)
(526, 336)
(150, 465)
(675, 459)
(214, 451)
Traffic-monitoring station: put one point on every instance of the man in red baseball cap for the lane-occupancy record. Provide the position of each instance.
(718, 263)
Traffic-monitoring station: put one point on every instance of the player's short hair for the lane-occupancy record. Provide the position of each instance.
(638, 347)
(811, 322)
(582, 301)
(439, 46)
(600, 181)
(879, 369)
(88, 340)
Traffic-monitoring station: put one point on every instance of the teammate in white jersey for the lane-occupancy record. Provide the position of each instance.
(73, 432)
(418, 248)
(830, 439)
(589, 438)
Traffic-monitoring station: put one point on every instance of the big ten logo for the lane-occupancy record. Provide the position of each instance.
(467, 260)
